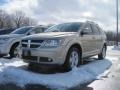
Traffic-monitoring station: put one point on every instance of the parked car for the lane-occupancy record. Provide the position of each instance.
(65, 45)
(9, 43)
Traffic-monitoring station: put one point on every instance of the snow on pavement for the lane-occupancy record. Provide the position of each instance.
(11, 72)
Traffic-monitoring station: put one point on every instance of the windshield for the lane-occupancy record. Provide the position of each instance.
(22, 30)
(66, 27)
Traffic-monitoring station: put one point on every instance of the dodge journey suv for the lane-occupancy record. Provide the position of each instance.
(65, 44)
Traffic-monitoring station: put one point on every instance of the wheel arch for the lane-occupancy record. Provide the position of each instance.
(13, 45)
(77, 46)
(74, 45)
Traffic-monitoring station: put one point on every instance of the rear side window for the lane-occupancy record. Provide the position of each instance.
(100, 30)
(95, 29)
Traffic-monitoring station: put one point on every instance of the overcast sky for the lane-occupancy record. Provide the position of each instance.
(57, 11)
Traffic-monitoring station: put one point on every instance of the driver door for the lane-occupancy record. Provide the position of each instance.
(87, 40)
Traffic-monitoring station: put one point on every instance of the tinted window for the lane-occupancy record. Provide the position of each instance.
(38, 30)
(87, 29)
(22, 30)
(95, 29)
(100, 30)
(66, 27)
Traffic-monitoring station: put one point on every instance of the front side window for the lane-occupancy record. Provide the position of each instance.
(87, 29)
(66, 27)
(38, 29)
(22, 30)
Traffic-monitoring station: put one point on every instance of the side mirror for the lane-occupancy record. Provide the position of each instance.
(30, 33)
(84, 33)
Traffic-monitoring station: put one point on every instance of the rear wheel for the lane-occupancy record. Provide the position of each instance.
(102, 55)
(73, 58)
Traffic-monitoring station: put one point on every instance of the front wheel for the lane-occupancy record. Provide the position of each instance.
(14, 52)
(102, 55)
(73, 58)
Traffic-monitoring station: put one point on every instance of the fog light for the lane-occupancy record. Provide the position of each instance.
(45, 59)
(49, 59)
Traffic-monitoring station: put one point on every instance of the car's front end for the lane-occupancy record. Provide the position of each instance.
(50, 47)
(51, 51)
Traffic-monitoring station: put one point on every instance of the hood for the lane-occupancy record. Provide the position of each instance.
(11, 36)
(50, 35)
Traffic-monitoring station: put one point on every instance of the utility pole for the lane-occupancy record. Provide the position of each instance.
(117, 18)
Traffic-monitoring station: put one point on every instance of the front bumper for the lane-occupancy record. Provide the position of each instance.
(51, 56)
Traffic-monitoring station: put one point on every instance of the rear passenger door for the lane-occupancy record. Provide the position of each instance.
(97, 37)
(87, 40)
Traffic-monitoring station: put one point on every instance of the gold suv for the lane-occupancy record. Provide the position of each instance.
(65, 44)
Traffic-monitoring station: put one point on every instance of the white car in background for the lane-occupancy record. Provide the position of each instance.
(9, 43)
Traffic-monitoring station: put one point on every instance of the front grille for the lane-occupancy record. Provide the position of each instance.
(34, 46)
(24, 40)
(24, 45)
(31, 43)
(36, 41)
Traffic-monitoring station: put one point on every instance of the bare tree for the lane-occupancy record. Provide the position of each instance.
(110, 35)
(2, 18)
(5, 20)
(15, 20)
(19, 20)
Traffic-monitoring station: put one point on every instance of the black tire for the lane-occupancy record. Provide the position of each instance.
(12, 50)
(101, 56)
(1, 56)
(67, 65)
(31, 66)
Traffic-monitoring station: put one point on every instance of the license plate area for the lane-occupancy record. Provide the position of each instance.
(26, 53)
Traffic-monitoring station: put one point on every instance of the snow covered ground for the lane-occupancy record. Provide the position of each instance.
(11, 71)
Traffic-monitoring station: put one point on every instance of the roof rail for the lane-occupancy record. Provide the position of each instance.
(89, 21)
(92, 22)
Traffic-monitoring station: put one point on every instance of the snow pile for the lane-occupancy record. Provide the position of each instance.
(116, 48)
(11, 71)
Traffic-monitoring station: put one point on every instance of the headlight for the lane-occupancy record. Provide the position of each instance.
(51, 43)
(3, 40)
